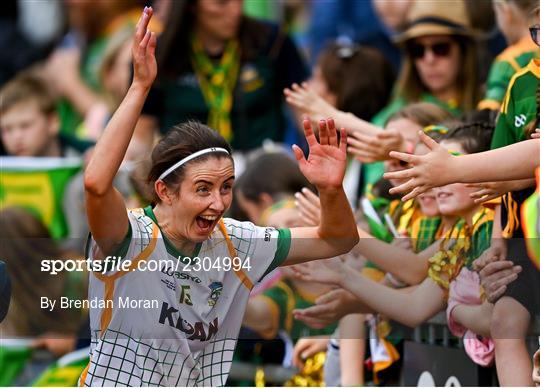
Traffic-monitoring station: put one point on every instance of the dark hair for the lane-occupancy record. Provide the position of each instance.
(181, 141)
(473, 136)
(253, 37)
(353, 72)
(273, 173)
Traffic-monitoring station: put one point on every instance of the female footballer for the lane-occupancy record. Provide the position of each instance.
(185, 331)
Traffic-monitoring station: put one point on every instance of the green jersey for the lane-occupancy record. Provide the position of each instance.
(512, 60)
(519, 107)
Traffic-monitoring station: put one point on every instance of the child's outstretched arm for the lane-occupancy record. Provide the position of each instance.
(410, 308)
(438, 167)
(105, 206)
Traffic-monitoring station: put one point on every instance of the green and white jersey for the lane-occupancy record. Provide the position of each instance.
(177, 325)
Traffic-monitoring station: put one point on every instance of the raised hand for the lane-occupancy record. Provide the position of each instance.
(327, 160)
(143, 51)
(427, 170)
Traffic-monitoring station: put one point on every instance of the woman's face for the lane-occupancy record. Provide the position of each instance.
(455, 199)
(409, 130)
(437, 59)
(205, 195)
(219, 19)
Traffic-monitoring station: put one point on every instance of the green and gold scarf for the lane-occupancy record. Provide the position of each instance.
(217, 82)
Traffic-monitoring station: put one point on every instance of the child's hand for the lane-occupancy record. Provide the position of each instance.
(330, 271)
(309, 206)
(369, 149)
(143, 52)
(307, 347)
(306, 101)
(327, 159)
(427, 171)
(329, 308)
(536, 134)
(491, 190)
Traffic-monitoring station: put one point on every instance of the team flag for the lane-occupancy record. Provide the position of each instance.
(38, 184)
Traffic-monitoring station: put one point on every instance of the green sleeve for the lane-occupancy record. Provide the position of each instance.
(498, 79)
(282, 251)
(119, 252)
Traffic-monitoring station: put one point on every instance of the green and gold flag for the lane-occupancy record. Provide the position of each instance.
(38, 184)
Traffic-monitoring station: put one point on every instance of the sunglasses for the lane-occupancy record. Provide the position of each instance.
(535, 33)
(417, 50)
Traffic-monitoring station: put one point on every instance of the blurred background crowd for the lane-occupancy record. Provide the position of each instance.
(463, 71)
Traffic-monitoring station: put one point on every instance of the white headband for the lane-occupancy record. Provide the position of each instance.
(190, 157)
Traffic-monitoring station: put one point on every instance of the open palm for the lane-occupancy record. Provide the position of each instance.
(325, 165)
(143, 51)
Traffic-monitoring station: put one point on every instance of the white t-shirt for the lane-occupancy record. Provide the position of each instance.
(184, 328)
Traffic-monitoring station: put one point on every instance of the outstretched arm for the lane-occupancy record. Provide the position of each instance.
(404, 264)
(409, 308)
(325, 168)
(438, 168)
(103, 202)
(304, 99)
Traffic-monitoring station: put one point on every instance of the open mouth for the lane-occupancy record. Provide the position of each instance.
(207, 223)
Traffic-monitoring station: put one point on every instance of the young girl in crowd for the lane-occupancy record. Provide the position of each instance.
(513, 21)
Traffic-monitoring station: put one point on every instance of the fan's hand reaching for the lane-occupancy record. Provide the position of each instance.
(369, 149)
(303, 99)
(427, 171)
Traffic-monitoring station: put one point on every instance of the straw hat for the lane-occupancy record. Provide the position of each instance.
(436, 17)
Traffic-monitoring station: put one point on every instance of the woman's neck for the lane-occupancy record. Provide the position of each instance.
(212, 45)
(167, 225)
